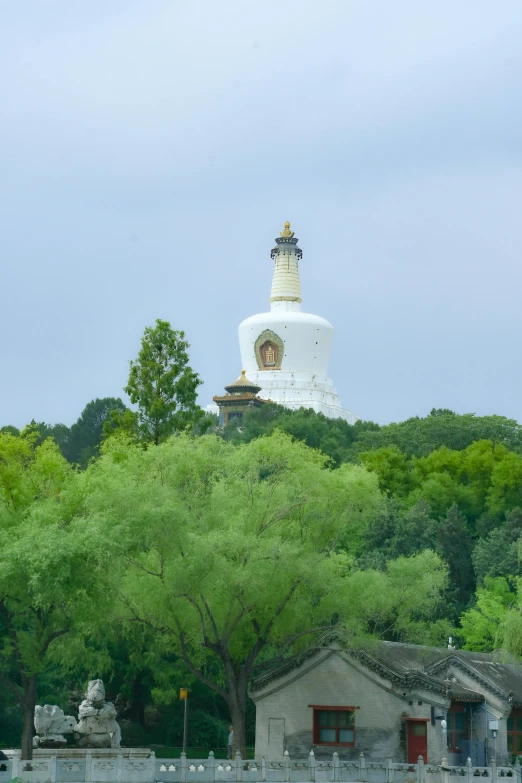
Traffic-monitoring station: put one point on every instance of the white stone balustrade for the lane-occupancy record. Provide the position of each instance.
(139, 765)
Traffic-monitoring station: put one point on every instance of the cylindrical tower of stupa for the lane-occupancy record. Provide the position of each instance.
(286, 286)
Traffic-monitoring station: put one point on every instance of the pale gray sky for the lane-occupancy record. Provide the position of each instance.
(150, 152)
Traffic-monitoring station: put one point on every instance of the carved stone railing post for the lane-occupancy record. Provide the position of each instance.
(362, 768)
(286, 765)
(15, 767)
(444, 770)
(311, 766)
(52, 769)
(518, 771)
(183, 767)
(421, 771)
(336, 768)
(389, 771)
(88, 765)
(469, 770)
(211, 766)
(119, 766)
(239, 767)
(152, 766)
(494, 769)
(263, 769)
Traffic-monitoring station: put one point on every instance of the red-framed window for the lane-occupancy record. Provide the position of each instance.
(514, 732)
(458, 725)
(333, 725)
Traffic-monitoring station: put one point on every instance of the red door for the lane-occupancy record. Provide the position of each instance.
(417, 740)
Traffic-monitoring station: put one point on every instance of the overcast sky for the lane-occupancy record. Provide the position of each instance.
(150, 152)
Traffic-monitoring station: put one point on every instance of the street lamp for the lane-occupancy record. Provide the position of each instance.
(183, 694)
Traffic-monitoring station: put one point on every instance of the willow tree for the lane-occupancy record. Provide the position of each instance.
(54, 574)
(240, 555)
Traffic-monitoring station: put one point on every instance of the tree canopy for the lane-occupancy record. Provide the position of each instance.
(236, 555)
(231, 548)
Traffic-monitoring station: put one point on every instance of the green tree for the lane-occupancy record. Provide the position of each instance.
(234, 553)
(399, 530)
(497, 553)
(86, 434)
(10, 719)
(334, 437)
(163, 385)
(441, 491)
(400, 602)
(60, 433)
(392, 467)
(420, 436)
(9, 430)
(482, 627)
(506, 485)
(483, 479)
(122, 423)
(52, 571)
(455, 546)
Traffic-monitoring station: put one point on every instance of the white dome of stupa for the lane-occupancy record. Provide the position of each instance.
(286, 351)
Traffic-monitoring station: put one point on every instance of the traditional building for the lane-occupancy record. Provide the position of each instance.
(286, 351)
(240, 396)
(395, 701)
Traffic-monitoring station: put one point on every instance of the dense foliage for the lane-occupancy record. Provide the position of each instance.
(451, 483)
(80, 442)
(53, 570)
(261, 557)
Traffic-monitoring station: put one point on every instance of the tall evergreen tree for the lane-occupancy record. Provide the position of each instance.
(455, 546)
(163, 385)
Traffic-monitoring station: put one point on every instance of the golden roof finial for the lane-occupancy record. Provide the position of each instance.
(286, 232)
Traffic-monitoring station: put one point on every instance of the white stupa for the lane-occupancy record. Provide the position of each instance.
(286, 351)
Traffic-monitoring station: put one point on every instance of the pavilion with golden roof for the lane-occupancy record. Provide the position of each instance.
(241, 395)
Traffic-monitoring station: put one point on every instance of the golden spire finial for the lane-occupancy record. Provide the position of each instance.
(286, 232)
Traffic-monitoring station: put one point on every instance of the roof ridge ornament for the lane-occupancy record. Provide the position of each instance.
(286, 231)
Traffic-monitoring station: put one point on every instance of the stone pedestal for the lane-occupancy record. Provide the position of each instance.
(95, 740)
(50, 741)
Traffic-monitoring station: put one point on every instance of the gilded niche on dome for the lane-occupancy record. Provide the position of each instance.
(269, 350)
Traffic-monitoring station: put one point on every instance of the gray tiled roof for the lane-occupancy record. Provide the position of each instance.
(412, 665)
